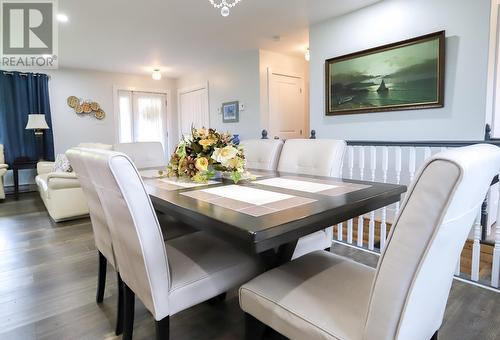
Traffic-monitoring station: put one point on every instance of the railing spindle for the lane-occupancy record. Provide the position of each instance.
(350, 223)
(476, 248)
(411, 163)
(397, 155)
(427, 153)
(361, 177)
(383, 222)
(495, 267)
(457, 269)
(371, 226)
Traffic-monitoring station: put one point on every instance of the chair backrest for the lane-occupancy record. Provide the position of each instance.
(102, 236)
(2, 156)
(262, 154)
(319, 157)
(415, 271)
(99, 146)
(144, 154)
(137, 238)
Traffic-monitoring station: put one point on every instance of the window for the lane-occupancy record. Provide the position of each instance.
(142, 117)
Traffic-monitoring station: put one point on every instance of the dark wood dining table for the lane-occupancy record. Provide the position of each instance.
(268, 215)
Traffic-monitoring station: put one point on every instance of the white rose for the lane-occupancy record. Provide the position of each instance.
(222, 155)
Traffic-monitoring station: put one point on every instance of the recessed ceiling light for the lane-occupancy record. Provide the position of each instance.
(62, 17)
(156, 74)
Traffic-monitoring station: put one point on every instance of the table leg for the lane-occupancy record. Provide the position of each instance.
(275, 258)
(16, 183)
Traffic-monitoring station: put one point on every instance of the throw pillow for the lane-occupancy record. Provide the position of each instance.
(62, 164)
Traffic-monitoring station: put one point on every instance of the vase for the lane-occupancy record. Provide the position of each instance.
(236, 139)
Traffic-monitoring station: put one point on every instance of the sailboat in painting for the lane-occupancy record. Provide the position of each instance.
(382, 88)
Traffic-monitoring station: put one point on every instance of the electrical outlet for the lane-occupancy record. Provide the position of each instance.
(242, 107)
(219, 110)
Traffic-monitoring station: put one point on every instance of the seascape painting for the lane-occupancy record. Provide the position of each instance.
(404, 75)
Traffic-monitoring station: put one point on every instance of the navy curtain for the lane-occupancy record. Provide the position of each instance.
(20, 95)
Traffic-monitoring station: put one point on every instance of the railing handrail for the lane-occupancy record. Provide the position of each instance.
(421, 143)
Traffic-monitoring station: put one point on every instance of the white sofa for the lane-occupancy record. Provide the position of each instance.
(3, 171)
(61, 192)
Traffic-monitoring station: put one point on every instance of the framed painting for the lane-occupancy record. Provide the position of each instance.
(230, 112)
(401, 76)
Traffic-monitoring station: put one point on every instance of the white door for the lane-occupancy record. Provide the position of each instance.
(193, 109)
(287, 115)
(143, 117)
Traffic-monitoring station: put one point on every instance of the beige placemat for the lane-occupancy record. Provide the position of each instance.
(250, 201)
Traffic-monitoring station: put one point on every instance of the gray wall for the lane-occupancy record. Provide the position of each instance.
(467, 30)
(234, 78)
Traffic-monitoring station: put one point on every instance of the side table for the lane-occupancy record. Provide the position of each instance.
(21, 164)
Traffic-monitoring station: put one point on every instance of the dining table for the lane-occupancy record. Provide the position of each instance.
(268, 214)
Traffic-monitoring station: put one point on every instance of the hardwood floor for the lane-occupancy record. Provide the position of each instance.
(48, 274)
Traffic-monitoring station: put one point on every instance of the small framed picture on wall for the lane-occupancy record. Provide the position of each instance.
(230, 112)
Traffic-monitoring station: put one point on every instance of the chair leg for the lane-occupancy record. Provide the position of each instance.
(101, 278)
(128, 312)
(216, 299)
(435, 336)
(163, 328)
(254, 329)
(119, 307)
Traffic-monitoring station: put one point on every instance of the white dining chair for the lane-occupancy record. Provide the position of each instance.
(318, 157)
(100, 229)
(324, 296)
(143, 154)
(262, 154)
(167, 277)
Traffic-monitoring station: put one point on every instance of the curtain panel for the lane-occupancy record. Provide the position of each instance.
(20, 95)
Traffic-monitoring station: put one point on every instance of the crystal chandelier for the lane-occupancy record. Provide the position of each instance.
(224, 5)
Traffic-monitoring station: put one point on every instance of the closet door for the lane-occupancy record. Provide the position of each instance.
(193, 109)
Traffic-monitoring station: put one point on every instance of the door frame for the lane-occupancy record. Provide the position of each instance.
(267, 118)
(192, 88)
(168, 111)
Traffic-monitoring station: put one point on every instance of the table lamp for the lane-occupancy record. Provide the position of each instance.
(37, 122)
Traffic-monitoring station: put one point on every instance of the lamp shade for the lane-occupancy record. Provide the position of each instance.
(36, 121)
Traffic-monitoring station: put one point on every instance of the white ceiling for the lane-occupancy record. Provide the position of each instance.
(180, 36)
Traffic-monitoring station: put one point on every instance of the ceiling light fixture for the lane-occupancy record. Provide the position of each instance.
(62, 17)
(156, 74)
(307, 55)
(224, 5)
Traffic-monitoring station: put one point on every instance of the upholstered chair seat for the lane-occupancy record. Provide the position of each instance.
(317, 296)
(324, 296)
(167, 277)
(262, 154)
(317, 157)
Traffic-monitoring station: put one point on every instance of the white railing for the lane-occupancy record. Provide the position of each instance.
(398, 162)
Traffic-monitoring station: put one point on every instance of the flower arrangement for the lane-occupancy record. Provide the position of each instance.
(205, 152)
